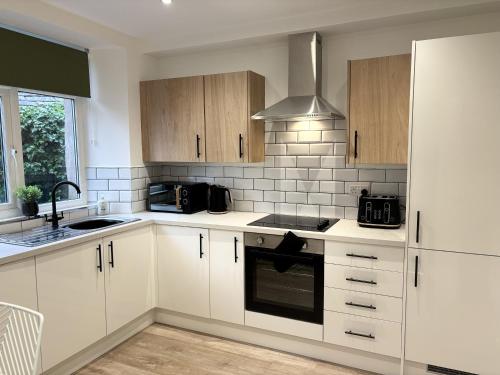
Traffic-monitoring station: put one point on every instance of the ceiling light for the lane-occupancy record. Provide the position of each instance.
(166, 2)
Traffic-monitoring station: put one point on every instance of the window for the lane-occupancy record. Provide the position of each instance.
(48, 134)
(39, 146)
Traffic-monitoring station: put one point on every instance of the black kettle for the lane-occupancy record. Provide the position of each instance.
(217, 203)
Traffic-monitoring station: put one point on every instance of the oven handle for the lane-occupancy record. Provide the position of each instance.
(270, 253)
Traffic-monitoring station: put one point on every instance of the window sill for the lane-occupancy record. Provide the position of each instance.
(42, 213)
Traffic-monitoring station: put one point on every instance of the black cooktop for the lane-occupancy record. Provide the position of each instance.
(312, 224)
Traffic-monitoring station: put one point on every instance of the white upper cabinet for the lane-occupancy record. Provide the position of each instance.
(227, 293)
(452, 311)
(71, 298)
(129, 276)
(454, 144)
(18, 283)
(183, 270)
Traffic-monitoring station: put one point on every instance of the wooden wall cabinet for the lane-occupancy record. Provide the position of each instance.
(230, 100)
(378, 109)
(173, 120)
(203, 118)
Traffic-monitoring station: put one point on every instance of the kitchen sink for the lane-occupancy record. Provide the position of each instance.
(94, 224)
(46, 234)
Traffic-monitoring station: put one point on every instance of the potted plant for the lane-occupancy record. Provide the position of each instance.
(29, 196)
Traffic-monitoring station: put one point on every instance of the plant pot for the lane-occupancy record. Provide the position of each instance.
(29, 208)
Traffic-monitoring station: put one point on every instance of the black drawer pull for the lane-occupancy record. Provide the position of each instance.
(241, 146)
(416, 271)
(356, 144)
(198, 153)
(370, 336)
(417, 235)
(112, 254)
(371, 307)
(201, 246)
(371, 282)
(99, 265)
(352, 255)
(235, 249)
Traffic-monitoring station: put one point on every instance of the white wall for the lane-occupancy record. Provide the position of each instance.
(271, 59)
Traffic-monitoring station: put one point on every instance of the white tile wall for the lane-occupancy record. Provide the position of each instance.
(304, 173)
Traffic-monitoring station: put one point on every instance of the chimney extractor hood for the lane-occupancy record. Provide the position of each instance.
(304, 101)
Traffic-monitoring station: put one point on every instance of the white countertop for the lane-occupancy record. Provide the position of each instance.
(344, 230)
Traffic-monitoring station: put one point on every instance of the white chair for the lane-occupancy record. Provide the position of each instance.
(20, 337)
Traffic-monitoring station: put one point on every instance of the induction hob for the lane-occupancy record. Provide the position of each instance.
(312, 224)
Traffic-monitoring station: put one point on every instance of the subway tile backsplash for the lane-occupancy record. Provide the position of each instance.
(304, 173)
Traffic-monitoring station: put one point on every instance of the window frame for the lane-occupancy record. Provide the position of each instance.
(13, 141)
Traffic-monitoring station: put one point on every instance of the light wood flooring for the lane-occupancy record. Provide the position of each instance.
(164, 350)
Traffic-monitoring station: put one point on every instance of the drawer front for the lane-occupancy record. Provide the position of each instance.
(363, 304)
(371, 335)
(364, 280)
(366, 256)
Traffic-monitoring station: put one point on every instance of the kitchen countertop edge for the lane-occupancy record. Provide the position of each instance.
(344, 231)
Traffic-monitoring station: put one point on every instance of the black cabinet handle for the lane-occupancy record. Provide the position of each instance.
(241, 146)
(417, 237)
(201, 246)
(361, 281)
(370, 336)
(99, 265)
(371, 307)
(352, 255)
(198, 153)
(355, 144)
(235, 249)
(111, 254)
(416, 271)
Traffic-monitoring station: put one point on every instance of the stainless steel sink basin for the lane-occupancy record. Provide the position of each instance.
(47, 234)
(94, 224)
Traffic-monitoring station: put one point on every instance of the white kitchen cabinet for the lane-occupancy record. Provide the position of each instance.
(129, 276)
(227, 293)
(183, 270)
(454, 144)
(452, 311)
(71, 297)
(18, 283)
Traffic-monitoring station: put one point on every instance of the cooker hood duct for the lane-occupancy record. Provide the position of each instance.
(304, 101)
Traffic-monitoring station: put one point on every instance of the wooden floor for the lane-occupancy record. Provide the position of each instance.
(164, 350)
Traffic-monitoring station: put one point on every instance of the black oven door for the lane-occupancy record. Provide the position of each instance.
(296, 293)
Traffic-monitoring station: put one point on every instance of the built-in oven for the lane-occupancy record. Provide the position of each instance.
(288, 285)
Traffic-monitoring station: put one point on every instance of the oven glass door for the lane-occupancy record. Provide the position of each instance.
(295, 293)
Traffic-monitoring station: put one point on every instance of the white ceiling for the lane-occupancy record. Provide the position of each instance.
(191, 23)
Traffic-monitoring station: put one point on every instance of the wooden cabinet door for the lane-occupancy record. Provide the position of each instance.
(129, 276)
(379, 100)
(226, 116)
(71, 298)
(18, 283)
(452, 312)
(172, 118)
(454, 145)
(227, 294)
(183, 270)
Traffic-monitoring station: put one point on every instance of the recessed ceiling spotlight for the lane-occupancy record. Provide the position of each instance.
(166, 2)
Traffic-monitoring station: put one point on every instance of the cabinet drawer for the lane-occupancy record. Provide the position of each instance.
(363, 304)
(364, 280)
(366, 256)
(371, 335)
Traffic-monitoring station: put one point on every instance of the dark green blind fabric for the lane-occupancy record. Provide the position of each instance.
(31, 63)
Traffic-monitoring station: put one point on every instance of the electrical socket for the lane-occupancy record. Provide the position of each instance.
(355, 189)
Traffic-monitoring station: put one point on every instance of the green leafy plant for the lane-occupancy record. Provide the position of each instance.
(29, 194)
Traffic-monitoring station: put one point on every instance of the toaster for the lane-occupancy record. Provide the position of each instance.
(379, 211)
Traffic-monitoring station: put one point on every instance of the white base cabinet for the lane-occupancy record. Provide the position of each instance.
(183, 270)
(129, 276)
(452, 314)
(71, 298)
(18, 283)
(227, 259)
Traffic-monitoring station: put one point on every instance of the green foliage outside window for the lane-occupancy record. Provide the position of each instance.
(42, 130)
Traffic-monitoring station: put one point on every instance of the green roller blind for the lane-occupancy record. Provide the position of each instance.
(31, 63)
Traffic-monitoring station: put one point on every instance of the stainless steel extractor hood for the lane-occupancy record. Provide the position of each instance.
(304, 101)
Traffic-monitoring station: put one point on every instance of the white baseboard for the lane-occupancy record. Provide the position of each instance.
(309, 348)
(103, 346)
